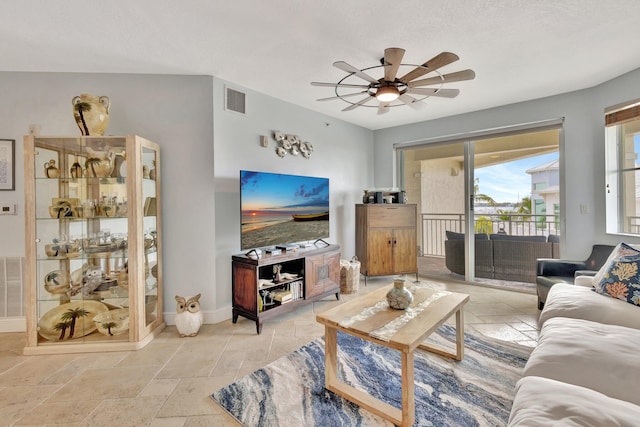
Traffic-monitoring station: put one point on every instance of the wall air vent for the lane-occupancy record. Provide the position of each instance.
(235, 101)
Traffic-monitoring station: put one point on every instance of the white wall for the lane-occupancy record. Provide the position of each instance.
(203, 148)
(581, 155)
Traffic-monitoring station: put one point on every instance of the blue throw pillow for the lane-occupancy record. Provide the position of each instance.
(619, 276)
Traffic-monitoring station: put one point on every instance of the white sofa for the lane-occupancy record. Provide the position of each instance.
(585, 369)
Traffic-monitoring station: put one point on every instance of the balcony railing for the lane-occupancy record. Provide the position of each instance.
(434, 227)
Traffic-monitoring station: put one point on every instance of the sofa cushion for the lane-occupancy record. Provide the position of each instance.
(545, 402)
(580, 302)
(601, 357)
(618, 277)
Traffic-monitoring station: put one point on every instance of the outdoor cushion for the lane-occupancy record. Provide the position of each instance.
(601, 357)
(518, 238)
(581, 302)
(545, 402)
(452, 235)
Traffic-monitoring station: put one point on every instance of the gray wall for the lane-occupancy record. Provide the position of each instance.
(581, 156)
(203, 148)
(342, 152)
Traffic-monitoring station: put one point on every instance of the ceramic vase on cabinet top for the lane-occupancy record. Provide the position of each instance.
(91, 113)
(399, 297)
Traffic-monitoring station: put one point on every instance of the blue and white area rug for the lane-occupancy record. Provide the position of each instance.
(477, 391)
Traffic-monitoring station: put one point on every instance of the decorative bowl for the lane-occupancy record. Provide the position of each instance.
(113, 322)
(57, 282)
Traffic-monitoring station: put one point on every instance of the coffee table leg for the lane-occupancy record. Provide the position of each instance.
(330, 357)
(437, 349)
(408, 384)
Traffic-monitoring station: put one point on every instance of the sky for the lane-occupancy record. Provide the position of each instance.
(508, 182)
(273, 192)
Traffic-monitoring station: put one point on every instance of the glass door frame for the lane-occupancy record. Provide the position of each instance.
(468, 140)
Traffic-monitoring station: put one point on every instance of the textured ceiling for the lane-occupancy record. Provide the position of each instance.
(519, 49)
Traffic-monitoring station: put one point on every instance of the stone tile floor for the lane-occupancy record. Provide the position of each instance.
(167, 383)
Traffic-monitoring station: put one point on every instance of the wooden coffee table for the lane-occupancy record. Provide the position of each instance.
(369, 317)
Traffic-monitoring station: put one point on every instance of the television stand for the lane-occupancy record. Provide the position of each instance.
(271, 285)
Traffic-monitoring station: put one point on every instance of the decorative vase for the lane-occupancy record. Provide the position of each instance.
(91, 113)
(152, 172)
(399, 297)
(100, 164)
(50, 169)
(76, 169)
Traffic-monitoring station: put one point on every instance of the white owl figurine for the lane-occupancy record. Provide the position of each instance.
(189, 316)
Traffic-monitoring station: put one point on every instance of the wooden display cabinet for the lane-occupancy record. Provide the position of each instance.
(386, 239)
(269, 285)
(93, 243)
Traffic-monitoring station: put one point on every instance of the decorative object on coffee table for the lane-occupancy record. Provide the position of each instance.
(399, 297)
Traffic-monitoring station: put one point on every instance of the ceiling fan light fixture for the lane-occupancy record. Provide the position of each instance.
(387, 94)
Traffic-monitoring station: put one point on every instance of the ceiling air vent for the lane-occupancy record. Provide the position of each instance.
(235, 101)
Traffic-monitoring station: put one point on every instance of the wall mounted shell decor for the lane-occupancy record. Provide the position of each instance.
(291, 144)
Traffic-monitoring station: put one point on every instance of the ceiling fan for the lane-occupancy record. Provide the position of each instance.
(391, 90)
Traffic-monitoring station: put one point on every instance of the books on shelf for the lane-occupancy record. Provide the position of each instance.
(290, 292)
(283, 296)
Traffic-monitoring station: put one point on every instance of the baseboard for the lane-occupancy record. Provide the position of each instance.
(13, 324)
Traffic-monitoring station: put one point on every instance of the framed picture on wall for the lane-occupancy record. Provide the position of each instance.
(7, 164)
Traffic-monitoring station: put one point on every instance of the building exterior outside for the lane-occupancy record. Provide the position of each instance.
(545, 190)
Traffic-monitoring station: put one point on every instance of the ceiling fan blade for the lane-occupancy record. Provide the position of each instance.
(392, 60)
(411, 101)
(339, 85)
(440, 60)
(442, 93)
(342, 96)
(383, 108)
(359, 103)
(458, 76)
(351, 69)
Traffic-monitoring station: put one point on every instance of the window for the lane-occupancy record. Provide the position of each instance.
(622, 137)
(539, 186)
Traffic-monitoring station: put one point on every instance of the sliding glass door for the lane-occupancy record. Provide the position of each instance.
(472, 190)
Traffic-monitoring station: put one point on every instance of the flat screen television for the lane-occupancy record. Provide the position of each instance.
(280, 210)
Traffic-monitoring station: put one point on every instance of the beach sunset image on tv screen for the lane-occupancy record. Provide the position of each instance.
(279, 209)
